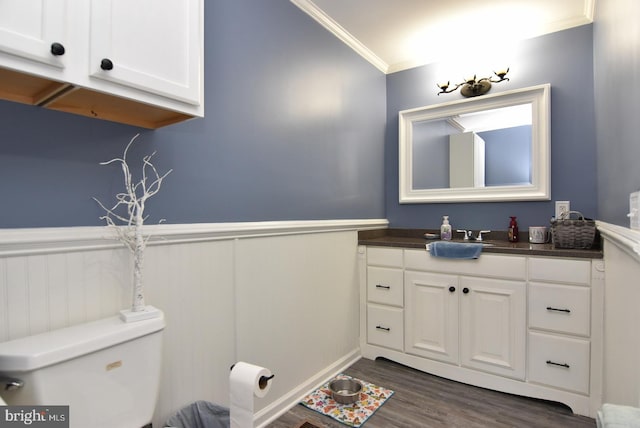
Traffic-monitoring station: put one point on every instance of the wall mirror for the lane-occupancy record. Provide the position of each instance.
(490, 148)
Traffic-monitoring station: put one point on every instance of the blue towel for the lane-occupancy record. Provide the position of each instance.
(454, 250)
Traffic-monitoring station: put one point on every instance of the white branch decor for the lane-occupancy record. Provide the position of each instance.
(133, 199)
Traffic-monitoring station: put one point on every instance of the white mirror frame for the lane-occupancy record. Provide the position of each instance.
(540, 187)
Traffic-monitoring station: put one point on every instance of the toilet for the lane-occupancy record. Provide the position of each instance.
(106, 371)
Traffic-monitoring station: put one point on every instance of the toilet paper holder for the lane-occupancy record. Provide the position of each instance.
(262, 382)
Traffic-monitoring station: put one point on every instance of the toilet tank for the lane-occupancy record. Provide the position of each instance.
(106, 371)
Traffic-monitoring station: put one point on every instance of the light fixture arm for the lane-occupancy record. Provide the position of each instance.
(474, 87)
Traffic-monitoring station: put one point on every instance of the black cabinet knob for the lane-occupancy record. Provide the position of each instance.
(106, 64)
(57, 49)
(465, 290)
(452, 289)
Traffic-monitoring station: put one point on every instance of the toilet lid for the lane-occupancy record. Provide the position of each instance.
(44, 349)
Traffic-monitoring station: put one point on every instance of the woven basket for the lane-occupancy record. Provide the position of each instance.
(573, 233)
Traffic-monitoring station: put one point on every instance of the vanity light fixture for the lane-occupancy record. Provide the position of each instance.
(472, 86)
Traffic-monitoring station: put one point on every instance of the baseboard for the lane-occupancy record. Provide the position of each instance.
(286, 402)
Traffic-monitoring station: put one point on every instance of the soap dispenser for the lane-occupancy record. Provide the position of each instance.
(513, 230)
(445, 229)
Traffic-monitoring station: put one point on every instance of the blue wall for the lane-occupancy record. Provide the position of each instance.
(563, 59)
(617, 95)
(294, 129)
(431, 154)
(507, 155)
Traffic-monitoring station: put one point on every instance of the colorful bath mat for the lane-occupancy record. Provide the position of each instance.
(353, 415)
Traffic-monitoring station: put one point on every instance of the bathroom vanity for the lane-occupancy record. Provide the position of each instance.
(522, 319)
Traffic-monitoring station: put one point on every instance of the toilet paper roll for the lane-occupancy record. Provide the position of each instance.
(246, 382)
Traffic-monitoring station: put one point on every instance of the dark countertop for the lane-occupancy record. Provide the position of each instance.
(413, 238)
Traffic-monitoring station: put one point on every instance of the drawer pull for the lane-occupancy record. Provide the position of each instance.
(386, 287)
(557, 364)
(549, 308)
(379, 327)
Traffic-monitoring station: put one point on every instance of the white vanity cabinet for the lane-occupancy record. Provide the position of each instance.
(385, 298)
(477, 320)
(138, 62)
(432, 320)
(493, 326)
(560, 323)
(522, 324)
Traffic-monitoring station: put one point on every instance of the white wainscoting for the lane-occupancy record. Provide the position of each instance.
(621, 372)
(283, 295)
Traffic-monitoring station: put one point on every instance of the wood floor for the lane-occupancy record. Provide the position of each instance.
(423, 400)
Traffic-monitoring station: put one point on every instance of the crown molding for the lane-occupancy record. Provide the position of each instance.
(337, 30)
(341, 33)
(589, 9)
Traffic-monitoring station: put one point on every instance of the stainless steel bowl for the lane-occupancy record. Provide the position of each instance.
(345, 391)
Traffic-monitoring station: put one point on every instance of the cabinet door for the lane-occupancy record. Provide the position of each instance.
(151, 45)
(28, 28)
(431, 315)
(493, 326)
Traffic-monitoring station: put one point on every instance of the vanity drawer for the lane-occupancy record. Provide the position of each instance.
(560, 308)
(381, 256)
(561, 362)
(385, 326)
(385, 285)
(560, 270)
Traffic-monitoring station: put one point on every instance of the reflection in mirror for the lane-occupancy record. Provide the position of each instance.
(480, 149)
(486, 148)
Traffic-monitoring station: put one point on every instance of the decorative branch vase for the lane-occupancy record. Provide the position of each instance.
(139, 311)
(133, 199)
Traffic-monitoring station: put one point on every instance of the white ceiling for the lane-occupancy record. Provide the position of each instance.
(396, 35)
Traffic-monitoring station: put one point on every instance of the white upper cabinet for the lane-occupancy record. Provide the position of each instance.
(137, 62)
(148, 45)
(34, 29)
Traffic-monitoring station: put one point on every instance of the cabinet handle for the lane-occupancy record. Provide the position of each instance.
(557, 364)
(386, 287)
(106, 64)
(465, 290)
(57, 49)
(452, 289)
(549, 308)
(379, 327)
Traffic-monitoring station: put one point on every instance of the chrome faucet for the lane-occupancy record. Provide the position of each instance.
(468, 234)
